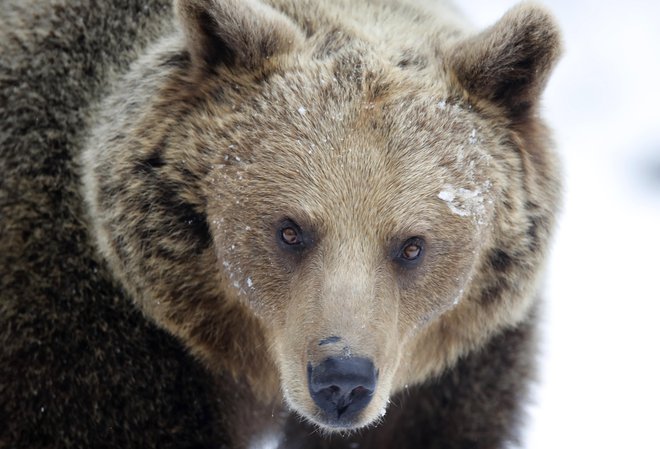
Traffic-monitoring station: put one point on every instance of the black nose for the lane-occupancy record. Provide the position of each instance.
(342, 387)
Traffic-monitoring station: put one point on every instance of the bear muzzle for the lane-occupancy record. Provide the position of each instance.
(342, 387)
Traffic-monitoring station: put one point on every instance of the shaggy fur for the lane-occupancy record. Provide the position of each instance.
(149, 154)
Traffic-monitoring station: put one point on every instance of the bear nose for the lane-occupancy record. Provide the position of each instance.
(342, 387)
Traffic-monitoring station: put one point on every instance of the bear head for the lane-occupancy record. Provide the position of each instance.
(311, 215)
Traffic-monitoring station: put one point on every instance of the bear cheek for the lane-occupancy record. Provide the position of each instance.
(438, 288)
(249, 269)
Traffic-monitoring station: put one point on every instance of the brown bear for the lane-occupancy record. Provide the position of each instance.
(332, 216)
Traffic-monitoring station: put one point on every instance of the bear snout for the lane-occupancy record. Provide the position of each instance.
(342, 387)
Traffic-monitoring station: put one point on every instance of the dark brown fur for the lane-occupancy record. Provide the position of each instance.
(175, 154)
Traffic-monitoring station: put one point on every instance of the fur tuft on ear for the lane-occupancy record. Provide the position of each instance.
(508, 64)
(239, 33)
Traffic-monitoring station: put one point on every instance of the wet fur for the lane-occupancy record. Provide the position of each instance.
(81, 366)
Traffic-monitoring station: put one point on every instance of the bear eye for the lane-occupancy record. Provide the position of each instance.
(411, 250)
(290, 233)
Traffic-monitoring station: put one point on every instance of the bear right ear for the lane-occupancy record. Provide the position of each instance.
(234, 32)
(508, 64)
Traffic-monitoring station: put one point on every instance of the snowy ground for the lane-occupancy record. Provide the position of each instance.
(601, 369)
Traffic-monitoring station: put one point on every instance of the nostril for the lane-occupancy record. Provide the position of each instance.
(359, 392)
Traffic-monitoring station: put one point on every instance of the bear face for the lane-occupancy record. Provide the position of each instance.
(349, 234)
(328, 225)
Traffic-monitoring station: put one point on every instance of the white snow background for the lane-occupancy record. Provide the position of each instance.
(600, 376)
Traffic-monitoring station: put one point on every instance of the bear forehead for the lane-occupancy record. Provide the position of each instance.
(362, 124)
(337, 170)
(343, 138)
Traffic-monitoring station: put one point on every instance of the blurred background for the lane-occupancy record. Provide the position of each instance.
(600, 377)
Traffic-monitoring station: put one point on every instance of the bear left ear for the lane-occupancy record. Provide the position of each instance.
(236, 33)
(509, 63)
